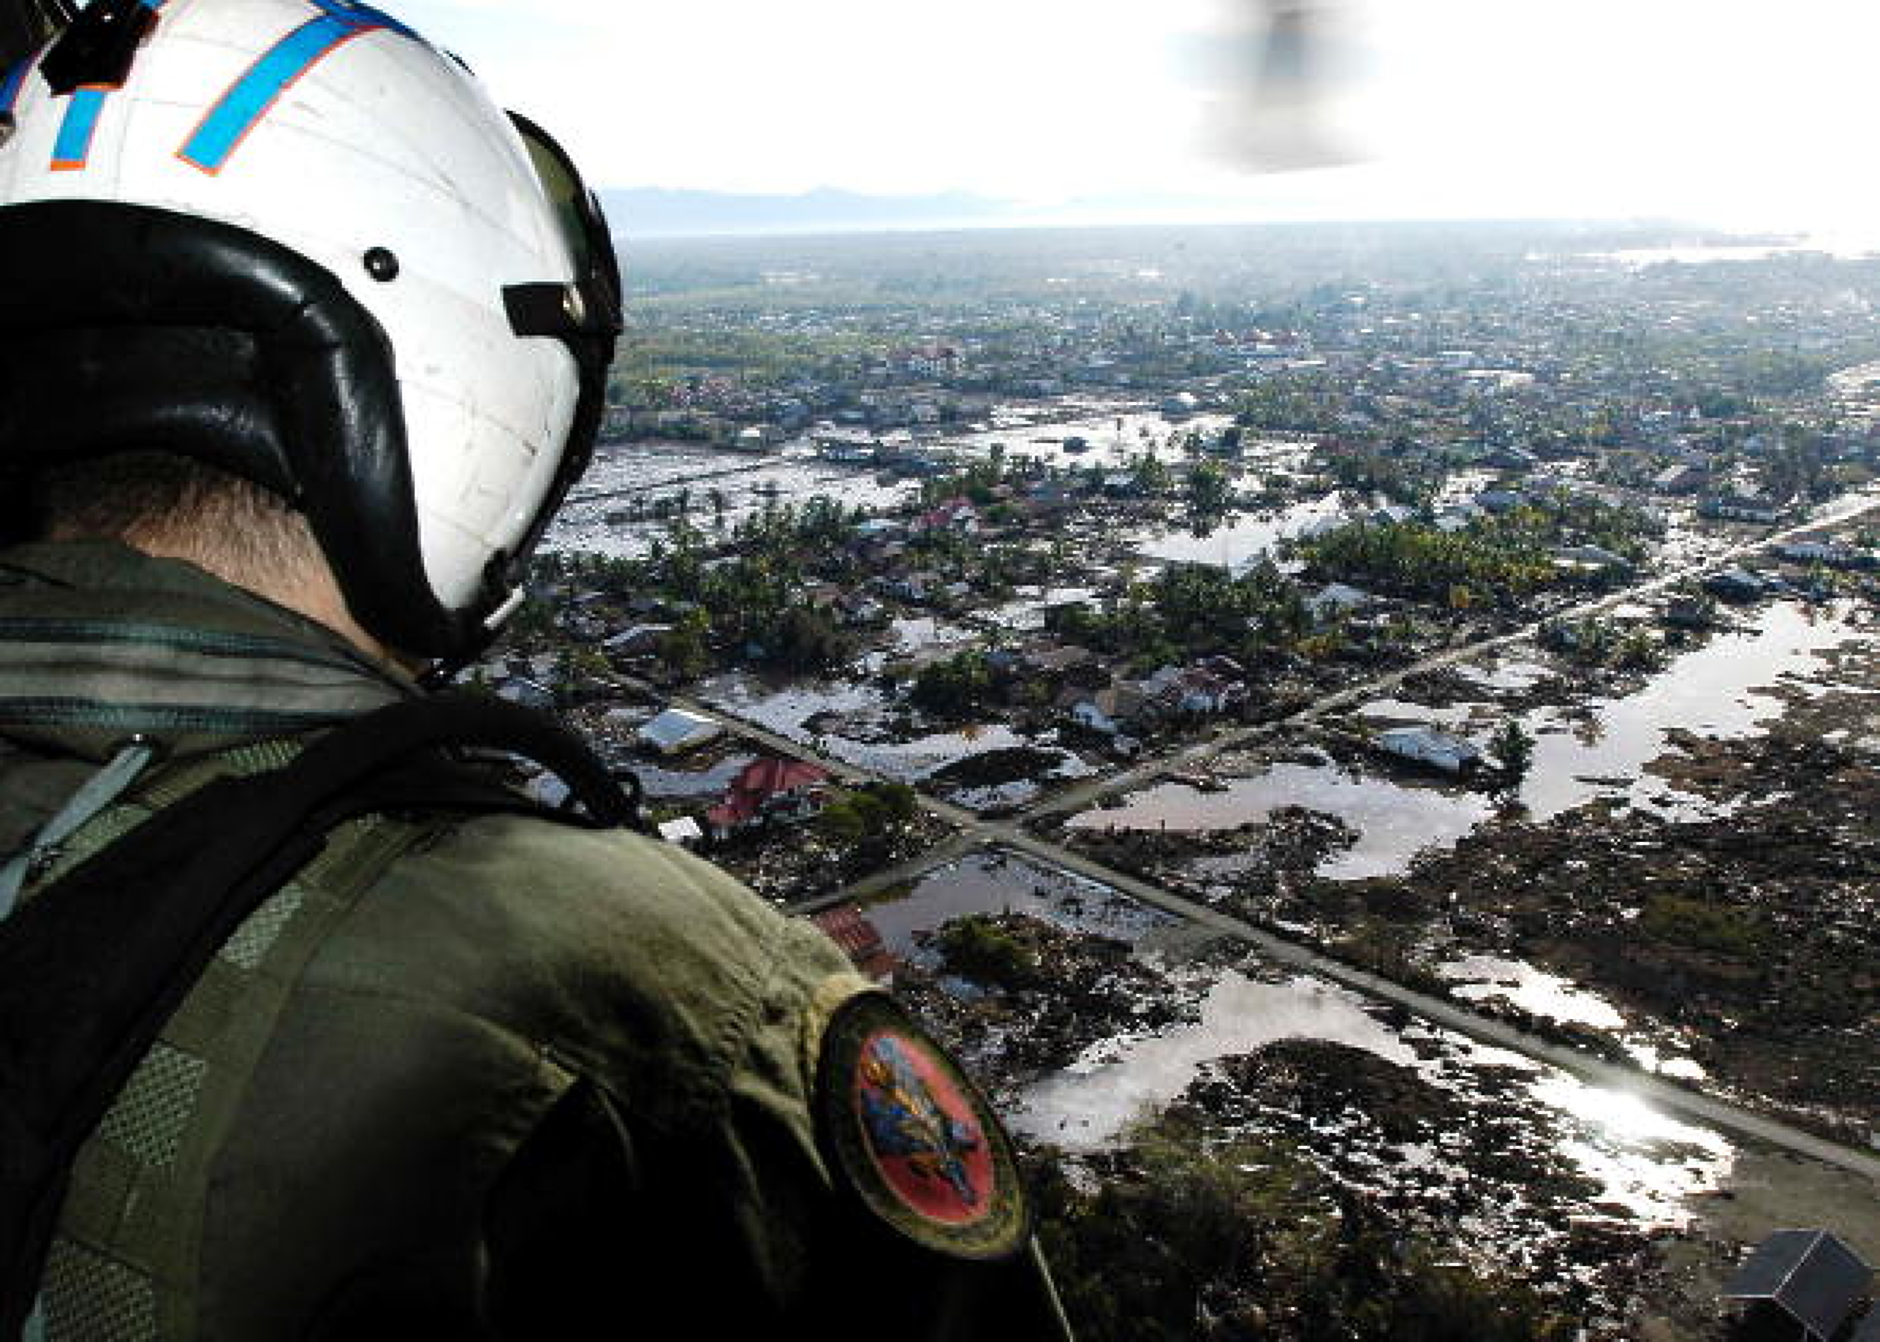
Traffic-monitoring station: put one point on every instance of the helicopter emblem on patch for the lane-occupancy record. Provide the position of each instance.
(914, 1137)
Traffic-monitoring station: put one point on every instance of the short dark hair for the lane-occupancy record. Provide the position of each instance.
(184, 506)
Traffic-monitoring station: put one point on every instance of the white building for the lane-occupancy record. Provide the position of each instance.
(676, 731)
(1437, 750)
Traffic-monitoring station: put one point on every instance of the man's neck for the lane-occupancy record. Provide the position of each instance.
(308, 590)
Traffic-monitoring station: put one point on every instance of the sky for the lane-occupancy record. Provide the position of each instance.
(1742, 114)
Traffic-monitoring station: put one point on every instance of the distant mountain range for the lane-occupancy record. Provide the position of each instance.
(651, 212)
(647, 213)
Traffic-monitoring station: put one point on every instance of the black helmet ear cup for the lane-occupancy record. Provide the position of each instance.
(199, 338)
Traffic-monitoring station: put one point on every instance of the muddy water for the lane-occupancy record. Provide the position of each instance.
(1641, 1159)
(1240, 543)
(995, 883)
(1394, 820)
(1721, 689)
(655, 471)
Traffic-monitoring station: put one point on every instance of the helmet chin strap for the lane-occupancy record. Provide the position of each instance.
(445, 669)
(499, 617)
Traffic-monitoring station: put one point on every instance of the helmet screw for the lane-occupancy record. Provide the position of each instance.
(573, 304)
(382, 265)
(7, 127)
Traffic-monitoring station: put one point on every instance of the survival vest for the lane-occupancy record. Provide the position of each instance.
(98, 960)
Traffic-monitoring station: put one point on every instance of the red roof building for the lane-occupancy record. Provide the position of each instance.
(769, 789)
(850, 929)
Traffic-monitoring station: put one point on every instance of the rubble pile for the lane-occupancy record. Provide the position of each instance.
(1757, 933)
(1094, 989)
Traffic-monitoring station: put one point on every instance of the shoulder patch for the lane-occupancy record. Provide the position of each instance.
(902, 1125)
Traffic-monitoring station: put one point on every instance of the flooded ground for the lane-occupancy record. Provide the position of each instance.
(1551, 997)
(1000, 883)
(1479, 977)
(915, 634)
(629, 492)
(663, 784)
(1641, 1160)
(1026, 612)
(1240, 543)
(1726, 689)
(1507, 1164)
(1393, 821)
(1624, 905)
(1591, 749)
(854, 722)
(1105, 434)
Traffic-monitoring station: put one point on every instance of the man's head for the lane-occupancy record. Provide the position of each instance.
(289, 240)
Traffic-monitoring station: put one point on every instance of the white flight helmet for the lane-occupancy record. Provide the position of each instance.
(292, 239)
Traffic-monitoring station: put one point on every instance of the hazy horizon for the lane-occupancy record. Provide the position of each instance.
(678, 214)
(1714, 112)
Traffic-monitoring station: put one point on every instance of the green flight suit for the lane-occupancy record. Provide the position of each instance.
(462, 1077)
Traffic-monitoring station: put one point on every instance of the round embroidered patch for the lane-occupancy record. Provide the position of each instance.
(914, 1137)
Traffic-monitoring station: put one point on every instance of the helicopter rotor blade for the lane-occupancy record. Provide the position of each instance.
(1282, 115)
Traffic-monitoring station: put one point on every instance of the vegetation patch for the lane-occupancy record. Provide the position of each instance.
(978, 948)
(995, 768)
(1189, 1236)
(1703, 926)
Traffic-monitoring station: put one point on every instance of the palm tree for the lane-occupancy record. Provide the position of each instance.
(1513, 750)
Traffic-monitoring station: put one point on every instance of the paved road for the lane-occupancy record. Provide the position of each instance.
(1664, 1094)
(976, 832)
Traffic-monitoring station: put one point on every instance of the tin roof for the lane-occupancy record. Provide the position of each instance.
(1809, 1274)
(676, 728)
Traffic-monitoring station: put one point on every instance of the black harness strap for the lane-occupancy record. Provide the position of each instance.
(92, 968)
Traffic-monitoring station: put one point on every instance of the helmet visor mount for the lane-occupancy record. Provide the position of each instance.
(589, 307)
(584, 314)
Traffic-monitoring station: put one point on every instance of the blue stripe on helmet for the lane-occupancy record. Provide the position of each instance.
(250, 97)
(363, 16)
(73, 146)
(12, 82)
(80, 125)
